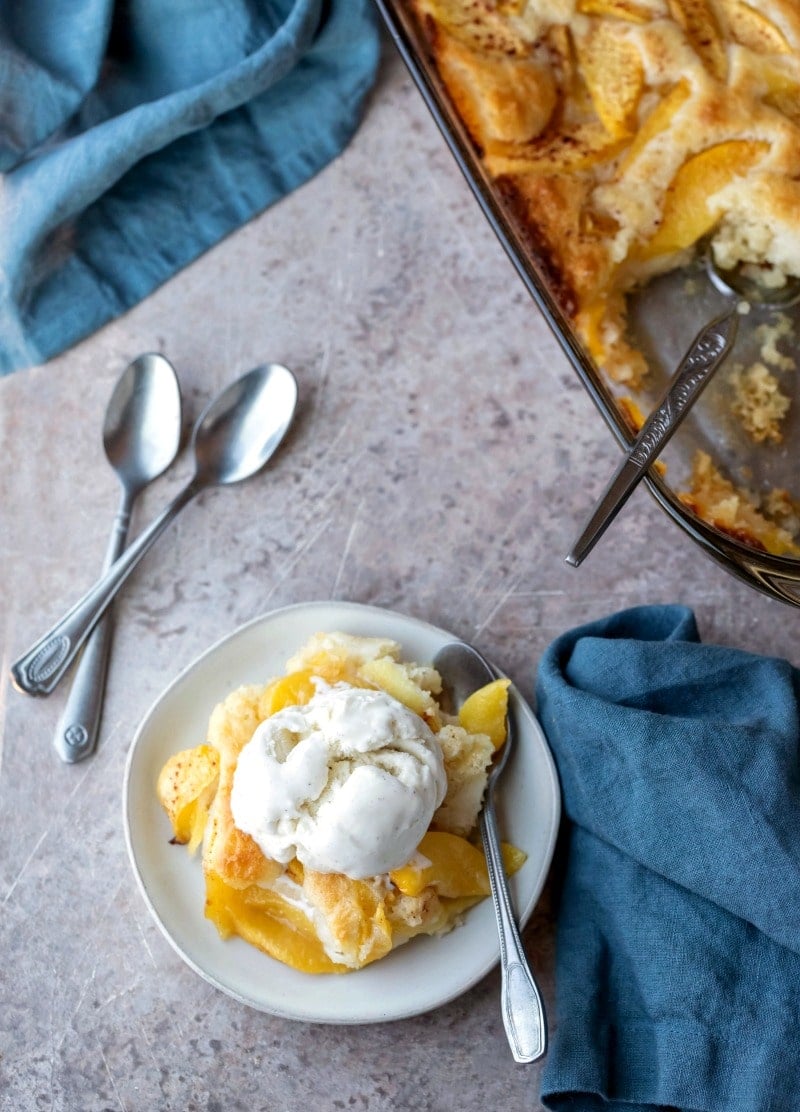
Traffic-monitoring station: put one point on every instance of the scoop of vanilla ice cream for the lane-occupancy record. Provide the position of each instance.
(347, 784)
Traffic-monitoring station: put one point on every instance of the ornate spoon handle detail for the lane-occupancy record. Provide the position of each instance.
(707, 352)
(76, 734)
(44, 665)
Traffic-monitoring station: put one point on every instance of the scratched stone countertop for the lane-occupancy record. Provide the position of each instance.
(444, 457)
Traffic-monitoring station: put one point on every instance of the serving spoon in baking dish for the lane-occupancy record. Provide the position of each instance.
(743, 282)
(708, 351)
(234, 437)
(463, 670)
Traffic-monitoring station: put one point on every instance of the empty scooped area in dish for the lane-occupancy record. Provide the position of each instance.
(746, 422)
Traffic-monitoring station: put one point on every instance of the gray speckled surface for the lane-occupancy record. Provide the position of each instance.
(443, 461)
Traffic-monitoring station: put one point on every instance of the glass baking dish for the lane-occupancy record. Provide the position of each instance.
(664, 318)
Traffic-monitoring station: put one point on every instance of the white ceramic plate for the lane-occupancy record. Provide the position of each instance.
(418, 976)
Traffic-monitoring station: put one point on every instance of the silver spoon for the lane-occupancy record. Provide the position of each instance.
(742, 282)
(708, 351)
(141, 436)
(234, 437)
(463, 670)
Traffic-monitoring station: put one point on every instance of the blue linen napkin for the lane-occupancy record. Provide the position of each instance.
(135, 135)
(678, 946)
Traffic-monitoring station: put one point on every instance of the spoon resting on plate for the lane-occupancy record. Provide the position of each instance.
(141, 436)
(463, 670)
(710, 348)
(234, 437)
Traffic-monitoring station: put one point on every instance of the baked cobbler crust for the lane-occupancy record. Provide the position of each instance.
(622, 137)
(621, 132)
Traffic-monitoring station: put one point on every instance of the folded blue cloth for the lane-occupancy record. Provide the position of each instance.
(678, 947)
(135, 135)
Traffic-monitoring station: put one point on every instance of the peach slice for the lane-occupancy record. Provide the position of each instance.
(614, 75)
(293, 690)
(185, 788)
(686, 215)
(484, 712)
(697, 19)
(451, 865)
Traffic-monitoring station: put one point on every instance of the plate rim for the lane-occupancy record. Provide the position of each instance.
(300, 1014)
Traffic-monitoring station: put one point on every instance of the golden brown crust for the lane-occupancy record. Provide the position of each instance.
(354, 913)
(572, 107)
(570, 243)
(734, 511)
(228, 851)
(500, 98)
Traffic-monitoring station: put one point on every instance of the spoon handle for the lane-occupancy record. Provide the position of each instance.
(520, 1000)
(709, 349)
(77, 731)
(44, 665)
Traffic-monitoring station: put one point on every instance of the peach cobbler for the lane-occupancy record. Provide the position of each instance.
(624, 136)
(336, 806)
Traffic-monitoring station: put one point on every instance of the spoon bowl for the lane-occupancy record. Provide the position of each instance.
(463, 670)
(234, 437)
(745, 282)
(241, 428)
(142, 427)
